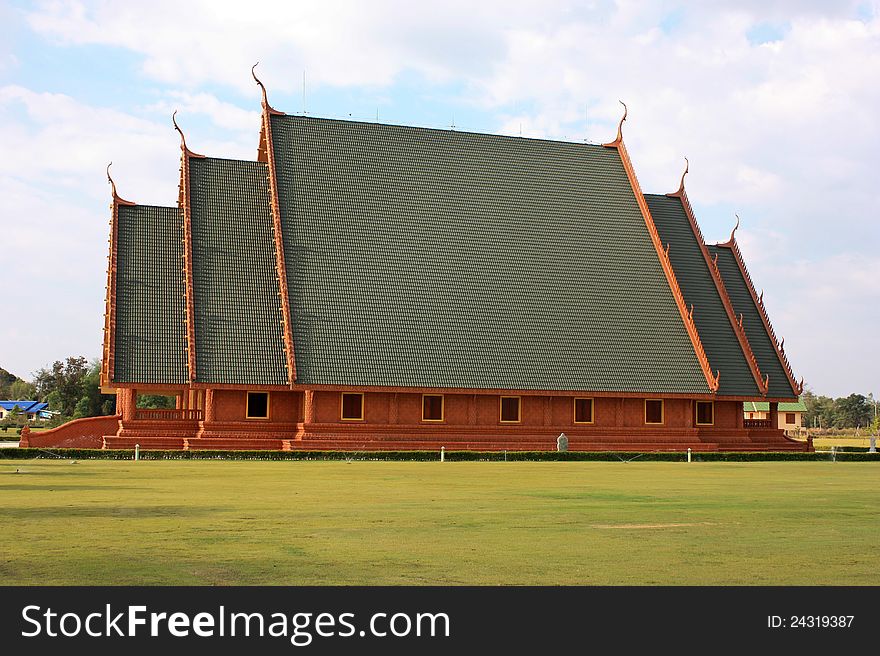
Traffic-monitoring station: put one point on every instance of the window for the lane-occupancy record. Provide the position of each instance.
(583, 411)
(789, 418)
(257, 405)
(653, 411)
(432, 407)
(705, 413)
(352, 407)
(510, 409)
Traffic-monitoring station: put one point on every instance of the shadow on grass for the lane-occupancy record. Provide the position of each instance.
(51, 512)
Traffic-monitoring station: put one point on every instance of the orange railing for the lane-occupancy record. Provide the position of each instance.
(168, 415)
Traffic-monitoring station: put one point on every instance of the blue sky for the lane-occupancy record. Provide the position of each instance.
(775, 103)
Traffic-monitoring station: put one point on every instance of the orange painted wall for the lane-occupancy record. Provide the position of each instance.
(231, 405)
(534, 410)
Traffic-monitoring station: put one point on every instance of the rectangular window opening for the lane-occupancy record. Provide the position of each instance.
(510, 409)
(705, 413)
(653, 411)
(432, 407)
(583, 411)
(257, 405)
(352, 406)
(789, 418)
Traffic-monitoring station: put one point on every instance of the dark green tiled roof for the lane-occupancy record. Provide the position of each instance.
(150, 340)
(238, 321)
(433, 258)
(698, 288)
(759, 340)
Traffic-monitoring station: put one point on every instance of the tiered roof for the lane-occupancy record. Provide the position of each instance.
(367, 255)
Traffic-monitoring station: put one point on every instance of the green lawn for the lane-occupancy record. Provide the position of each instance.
(203, 522)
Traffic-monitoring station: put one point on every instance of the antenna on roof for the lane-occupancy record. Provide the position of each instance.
(586, 122)
(452, 127)
(304, 91)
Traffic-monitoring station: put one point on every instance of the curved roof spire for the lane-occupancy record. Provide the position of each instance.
(116, 197)
(266, 105)
(183, 145)
(732, 232)
(619, 138)
(687, 166)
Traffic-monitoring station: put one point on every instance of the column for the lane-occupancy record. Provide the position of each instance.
(209, 405)
(774, 415)
(308, 407)
(128, 398)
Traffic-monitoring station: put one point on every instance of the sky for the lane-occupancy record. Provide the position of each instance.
(775, 103)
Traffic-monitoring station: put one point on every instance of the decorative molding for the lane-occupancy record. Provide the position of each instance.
(712, 380)
(267, 149)
(184, 203)
(109, 346)
(265, 139)
(712, 264)
(797, 387)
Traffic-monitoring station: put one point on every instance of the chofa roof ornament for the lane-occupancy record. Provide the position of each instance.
(116, 197)
(619, 138)
(183, 145)
(687, 166)
(266, 106)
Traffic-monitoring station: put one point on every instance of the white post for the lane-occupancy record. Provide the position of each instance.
(137, 451)
(442, 454)
(689, 454)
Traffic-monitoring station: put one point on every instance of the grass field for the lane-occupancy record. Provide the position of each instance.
(204, 522)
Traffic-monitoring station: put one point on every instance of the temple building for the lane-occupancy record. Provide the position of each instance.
(366, 286)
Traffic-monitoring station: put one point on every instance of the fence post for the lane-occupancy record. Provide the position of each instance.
(137, 452)
(442, 454)
(689, 454)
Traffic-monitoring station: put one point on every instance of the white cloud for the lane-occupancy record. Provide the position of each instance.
(786, 131)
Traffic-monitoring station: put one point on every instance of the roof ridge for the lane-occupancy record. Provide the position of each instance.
(109, 346)
(184, 203)
(778, 347)
(438, 130)
(681, 195)
(267, 149)
(712, 380)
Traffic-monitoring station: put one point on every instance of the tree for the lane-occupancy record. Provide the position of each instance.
(156, 402)
(72, 388)
(852, 411)
(21, 390)
(67, 378)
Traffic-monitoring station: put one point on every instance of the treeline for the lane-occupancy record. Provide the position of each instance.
(853, 411)
(72, 389)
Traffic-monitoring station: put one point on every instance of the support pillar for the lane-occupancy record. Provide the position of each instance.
(774, 415)
(308, 407)
(127, 398)
(548, 410)
(472, 410)
(209, 406)
(618, 412)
